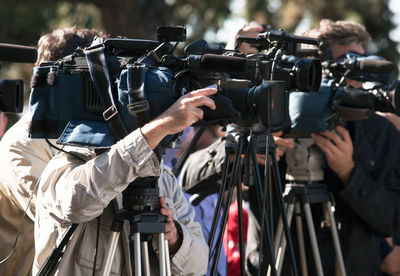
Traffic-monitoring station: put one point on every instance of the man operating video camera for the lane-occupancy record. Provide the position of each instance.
(362, 172)
(77, 186)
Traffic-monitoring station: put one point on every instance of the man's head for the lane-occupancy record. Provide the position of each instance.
(343, 36)
(63, 42)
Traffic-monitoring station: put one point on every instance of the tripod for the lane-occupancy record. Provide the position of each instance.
(247, 146)
(140, 200)
(304, 175)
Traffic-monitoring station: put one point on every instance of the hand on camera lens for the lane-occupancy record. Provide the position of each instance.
(182, 114)
(171, 233)
(186, 110)
(338, 149)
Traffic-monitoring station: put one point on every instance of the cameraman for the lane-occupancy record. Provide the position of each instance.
(22, 161)
(363, 159)
(72, 190)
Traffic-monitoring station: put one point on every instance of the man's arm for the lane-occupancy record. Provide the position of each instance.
(191, 250)
(74, 191)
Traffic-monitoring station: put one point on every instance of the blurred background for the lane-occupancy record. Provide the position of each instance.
(24, 21)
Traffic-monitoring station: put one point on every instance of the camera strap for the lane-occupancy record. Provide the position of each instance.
(101, 78)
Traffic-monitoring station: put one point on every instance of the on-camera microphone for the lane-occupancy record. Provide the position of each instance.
(201, 47)
(360, 67)
(216, 63)
(374, 66)
(17, 53)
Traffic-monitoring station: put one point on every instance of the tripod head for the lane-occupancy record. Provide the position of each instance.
(142, 194)
(304, 162)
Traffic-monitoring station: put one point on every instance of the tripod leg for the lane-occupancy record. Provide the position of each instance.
(279, 195)
(228, 200)
(240, 221)
(145, 255)
(264, 216)
(218, 207)
(313, 238)
(136, 244)
(112, 246)
(300, 240)
(335, 237)
(279, 233)
(167, 261)
(161, 257)
(281, 245)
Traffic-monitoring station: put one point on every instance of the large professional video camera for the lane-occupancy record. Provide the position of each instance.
(12, 91)
(142, 76)
(379, 92)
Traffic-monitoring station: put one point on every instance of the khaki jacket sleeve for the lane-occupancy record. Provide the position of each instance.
(72, 191)
(192, 256)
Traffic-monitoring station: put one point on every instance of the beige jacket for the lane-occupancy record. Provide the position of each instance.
(72, 191)
(22, 161)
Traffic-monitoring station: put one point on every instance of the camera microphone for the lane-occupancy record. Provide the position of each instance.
(17, 53)
(216, 63)
(374, 66)
(363, 66)
(201, 47)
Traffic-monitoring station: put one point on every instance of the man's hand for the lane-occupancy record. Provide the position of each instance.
(182, 114)
(391, 265)
(281, 144)
(171, 233)
(338, 149)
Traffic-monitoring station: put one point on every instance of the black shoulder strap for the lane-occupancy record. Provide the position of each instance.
(102, 82)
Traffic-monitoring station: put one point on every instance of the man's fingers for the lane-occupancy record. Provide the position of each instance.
(200, 101)
(277, 134)
(333, 136)
(203, 92)
(324, 144)
(161, 200)
(166, 212)
(344, 132)
(286, 143)
(169, 226)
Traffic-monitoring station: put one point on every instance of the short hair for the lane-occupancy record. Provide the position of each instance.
(343, 32)
(63, 42)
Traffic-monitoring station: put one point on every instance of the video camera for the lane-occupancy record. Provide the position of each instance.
(359, 103)
(129, 81)
(12, 91)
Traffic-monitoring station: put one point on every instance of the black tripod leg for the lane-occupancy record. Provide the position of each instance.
(264, 218)
(240, 221)
(217, 210)
(279, 193)
(234, 175)
(52, 261)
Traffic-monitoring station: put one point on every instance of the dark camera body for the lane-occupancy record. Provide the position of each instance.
(11, 96)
